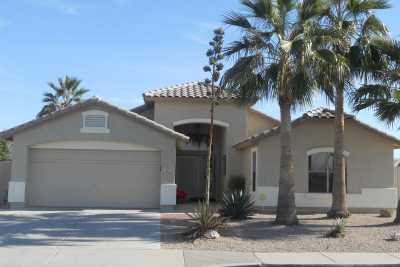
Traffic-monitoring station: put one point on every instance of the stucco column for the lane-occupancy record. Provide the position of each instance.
(168, 185)
(19, 174)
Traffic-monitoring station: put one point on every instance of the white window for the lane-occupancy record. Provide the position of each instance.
(95, 121)
(320, 170)
(254, 169)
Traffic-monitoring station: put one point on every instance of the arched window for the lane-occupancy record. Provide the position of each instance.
(320, 170)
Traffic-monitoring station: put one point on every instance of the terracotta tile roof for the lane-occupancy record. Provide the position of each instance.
(316, 114)
(323, 113)
(193, 90)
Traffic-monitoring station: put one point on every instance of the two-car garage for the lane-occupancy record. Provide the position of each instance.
(94, 178)
(93, 154)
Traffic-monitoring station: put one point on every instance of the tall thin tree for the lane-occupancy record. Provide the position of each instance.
(68, 91)
(273, 60)
(214, 67)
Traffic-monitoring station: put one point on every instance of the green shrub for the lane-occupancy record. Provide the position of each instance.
(4, 150)
(205, 220)
(237, 183)
(338, 229)
(237, 205)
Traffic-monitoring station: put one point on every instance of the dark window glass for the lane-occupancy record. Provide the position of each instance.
(320, 173)
(254, 169)
(317, 182)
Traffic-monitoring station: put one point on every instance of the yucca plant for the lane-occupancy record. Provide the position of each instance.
(205, 220)
(237, 205)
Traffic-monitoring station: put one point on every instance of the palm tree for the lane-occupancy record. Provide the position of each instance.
(382, 93)
(350, 25)
(273, 61)
(66, 93)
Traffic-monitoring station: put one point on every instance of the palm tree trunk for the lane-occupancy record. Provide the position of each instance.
(339, 197)
(286, 211)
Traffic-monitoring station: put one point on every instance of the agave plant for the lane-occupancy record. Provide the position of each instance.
(237, 205)
(205, 220)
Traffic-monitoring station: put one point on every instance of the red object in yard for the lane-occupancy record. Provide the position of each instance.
(181, 195)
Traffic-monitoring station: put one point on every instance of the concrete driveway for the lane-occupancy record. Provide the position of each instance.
(80, 238)
(111, 228)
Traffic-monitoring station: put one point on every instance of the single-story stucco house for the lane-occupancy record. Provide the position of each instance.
(94, 154)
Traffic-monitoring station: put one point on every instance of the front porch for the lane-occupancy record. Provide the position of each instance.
(191, 162)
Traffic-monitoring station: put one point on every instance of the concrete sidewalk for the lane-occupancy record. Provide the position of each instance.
(215, 258)
(124, 257)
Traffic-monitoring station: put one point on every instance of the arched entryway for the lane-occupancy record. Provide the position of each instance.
(191, 160)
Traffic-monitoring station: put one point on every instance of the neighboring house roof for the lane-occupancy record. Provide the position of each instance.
(324, 113)
(190, 90)
(320, 113)
(8, 134)
(142, 108)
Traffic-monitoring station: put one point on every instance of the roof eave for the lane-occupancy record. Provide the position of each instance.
(253, 140)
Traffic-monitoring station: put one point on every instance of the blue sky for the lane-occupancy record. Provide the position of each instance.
(119, 48)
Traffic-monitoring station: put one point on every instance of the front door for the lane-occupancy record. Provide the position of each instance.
(191, 173)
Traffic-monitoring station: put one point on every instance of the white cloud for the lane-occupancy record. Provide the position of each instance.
(65, 6)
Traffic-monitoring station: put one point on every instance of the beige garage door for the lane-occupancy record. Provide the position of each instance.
(90, 178)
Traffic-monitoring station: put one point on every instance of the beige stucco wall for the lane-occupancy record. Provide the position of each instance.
(397, 177)
(5, 174)
(370, 161)
(67, 128)
(168, 112)
(257, 123)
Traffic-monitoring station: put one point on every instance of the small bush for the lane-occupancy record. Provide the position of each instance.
(237, 183)
(205, 220)
(386, 213)
(237, 205)
(338, 229)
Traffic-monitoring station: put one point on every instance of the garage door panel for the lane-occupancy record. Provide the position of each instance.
(94, 155)
(94, 178)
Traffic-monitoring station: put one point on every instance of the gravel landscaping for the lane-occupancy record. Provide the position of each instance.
(365, 233)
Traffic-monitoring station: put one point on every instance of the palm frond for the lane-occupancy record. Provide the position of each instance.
(373, 26)
(361, 7)
(237, 20)
(67, 92)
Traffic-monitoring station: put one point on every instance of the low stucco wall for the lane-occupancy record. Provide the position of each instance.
(369, 165)
(5, 174)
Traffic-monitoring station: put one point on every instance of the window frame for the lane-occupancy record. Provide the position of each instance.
(329, 150)
(254, 177)
(96, 130)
